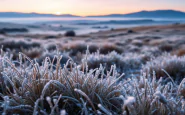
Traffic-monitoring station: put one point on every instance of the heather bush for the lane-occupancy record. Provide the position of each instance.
(53, 58)
(33, 52)
(138, 43)
(173, 65)
(17, 45)
(76, 48)
(51, 47)
(107, 48)
(166, 47)
(145, 95)
(50, 88)
(180, 51)
(34, 89)
(127, 63)
(32, 49)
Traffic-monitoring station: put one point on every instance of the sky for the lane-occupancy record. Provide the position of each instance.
(88, 7)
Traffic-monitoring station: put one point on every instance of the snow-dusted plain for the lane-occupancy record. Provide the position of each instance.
(136, 71)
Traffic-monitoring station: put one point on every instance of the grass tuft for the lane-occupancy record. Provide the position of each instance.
(173, 65)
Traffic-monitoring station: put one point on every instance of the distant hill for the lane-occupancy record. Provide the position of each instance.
(157, 13)
(141, 14)
(21, 15)
(150, 14)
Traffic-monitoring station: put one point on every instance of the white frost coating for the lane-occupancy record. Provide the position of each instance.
(161, 97)
(62, 112)
(48, 99)
(54, 101)
(104, 110)
(129, 100)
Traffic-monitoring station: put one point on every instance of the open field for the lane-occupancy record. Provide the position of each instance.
(129, 71)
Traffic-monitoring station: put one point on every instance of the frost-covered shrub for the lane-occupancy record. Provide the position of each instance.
(138, 43)
(17, 45)
(147, 96)
(166, 47)
(33, 52)
(52, 58)
(173, 65)
(107, 48)
(180, 51)
(181, 89)
(33, 89)
(51, 47)
(75, 48)
(127, 63)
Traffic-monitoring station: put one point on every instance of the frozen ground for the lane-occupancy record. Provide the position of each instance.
(136, 71)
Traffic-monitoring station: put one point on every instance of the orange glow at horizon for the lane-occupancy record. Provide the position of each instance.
(88, 7)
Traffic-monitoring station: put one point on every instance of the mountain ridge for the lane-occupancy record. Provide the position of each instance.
(32, 14)
(149, 14)
(140, 14)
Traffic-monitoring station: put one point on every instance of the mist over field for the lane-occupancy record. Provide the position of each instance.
(57, 58)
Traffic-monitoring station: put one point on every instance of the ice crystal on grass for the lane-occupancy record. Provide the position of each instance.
(173, 65)
(50, 88)
(127, 63)
(153, 98)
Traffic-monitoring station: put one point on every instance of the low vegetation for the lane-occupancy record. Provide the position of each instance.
(127, 63)
(143, 76)
(173, 65)
(70, 34)
(50, 88)
(30, 88)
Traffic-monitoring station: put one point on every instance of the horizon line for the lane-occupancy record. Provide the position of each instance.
(85, 15)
